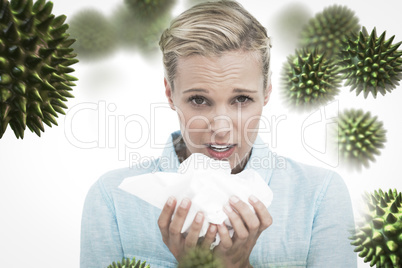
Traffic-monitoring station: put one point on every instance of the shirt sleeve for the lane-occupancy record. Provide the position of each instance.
(100, 239)
(333, 223)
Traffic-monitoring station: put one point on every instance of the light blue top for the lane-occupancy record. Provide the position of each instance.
(311, 211)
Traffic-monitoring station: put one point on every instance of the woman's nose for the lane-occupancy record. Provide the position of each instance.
(221, 125)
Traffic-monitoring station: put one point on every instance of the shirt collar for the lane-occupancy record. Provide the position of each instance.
(261, 160)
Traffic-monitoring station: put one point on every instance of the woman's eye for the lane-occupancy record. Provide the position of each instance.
(198, 100)
(242, 99)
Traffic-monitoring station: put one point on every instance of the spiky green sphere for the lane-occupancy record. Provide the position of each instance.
(149, 9)
(328, 28)
(200, 257)
(35, 56)
(287, 24)
(378, 237)
(360, 136)
(127, 263)
(371, 63)
(309, 80)
(95, 35)
(133, 33)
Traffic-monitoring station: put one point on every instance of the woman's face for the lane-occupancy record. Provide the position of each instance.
(219, 101)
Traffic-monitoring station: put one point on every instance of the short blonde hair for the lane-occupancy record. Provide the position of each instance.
(210, 29)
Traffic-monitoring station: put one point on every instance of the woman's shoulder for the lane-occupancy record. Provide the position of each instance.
(287, 171)
(305, 177)
(305, 172)
(306, 187)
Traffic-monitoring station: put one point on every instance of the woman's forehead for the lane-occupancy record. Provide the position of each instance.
(219, 64)
(224, 57)
(239, 69)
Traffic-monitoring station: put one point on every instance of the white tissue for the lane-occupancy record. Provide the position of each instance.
(206, 182)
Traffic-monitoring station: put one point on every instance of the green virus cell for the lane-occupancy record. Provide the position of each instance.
(127, 263)
(94, 33)
(200, 257)
(288, 23)
(370, 63)
(309, 80)
(327, 29)
(35, 59)
(360, 136)
(149, 9)
(133, 33)
(378, 235)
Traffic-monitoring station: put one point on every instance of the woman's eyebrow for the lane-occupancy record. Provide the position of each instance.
(195, 90)
(236, 90)
(242, 90)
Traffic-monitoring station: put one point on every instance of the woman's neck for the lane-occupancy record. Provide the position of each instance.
(239, 168)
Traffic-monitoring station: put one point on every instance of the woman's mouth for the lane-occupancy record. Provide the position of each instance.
(222, 151)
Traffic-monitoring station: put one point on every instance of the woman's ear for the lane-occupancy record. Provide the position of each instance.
(267, 94)
(169, 94)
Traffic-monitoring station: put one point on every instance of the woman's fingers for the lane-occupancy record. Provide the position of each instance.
(246, 223)
(250, 219)
(241, 232)
(262, 213)
(226, 241)
(166, 217)
(177, 222)
(194, 232)
(210, 236)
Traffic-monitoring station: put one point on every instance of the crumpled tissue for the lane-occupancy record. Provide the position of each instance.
(207, 182)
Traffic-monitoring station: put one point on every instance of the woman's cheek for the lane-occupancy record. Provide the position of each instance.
(187, 117)
(193, 127)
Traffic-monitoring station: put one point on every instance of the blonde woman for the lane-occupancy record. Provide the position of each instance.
(217, 78)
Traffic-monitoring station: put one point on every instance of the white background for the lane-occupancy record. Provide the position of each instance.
(44, 181)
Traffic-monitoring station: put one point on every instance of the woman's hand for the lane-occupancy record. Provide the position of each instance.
(171, 228)
(247, 225)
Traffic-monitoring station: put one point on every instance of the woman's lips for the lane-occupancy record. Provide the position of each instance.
(221, 155)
